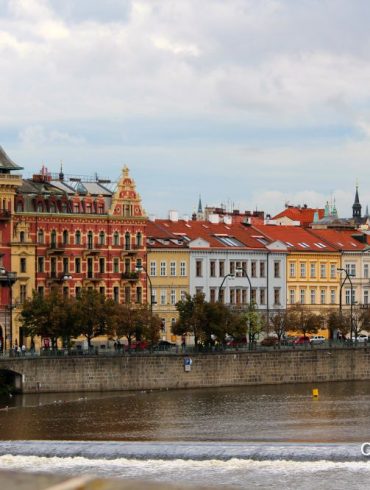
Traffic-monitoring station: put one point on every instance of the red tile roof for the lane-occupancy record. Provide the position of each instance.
(342, 239)
(304, 215)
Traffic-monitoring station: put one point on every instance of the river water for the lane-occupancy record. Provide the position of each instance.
(244, 437)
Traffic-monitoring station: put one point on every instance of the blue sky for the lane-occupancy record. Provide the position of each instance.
(251, 102)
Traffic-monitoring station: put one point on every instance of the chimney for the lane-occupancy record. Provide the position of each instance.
(214, 218)
(173, 215)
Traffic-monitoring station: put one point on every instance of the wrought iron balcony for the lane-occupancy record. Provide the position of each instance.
(130, 276)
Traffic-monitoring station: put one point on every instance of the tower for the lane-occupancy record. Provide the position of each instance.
(356, 208)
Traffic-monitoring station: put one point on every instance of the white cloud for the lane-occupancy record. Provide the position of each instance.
(38, 136)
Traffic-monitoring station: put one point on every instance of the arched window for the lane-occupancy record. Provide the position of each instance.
(40, 207)
(52, 208)
(127, 241)
(78, 237)
(116, 239)
(53, 238)
(65, 237)
(40, 236)
(64, 207)
(19, 206)
(139, 239)
(22, 236)
(102, 238)
(90, 240)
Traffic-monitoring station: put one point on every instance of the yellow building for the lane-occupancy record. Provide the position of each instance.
(168, 270)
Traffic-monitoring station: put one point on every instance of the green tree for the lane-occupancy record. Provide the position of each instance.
(192, 317)
(254, 323)
(279, 324)
(304, 321)
(338, 321)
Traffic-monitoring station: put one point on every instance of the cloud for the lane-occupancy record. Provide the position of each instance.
(38, 136)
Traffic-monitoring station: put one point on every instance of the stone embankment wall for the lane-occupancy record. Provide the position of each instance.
(145, 372)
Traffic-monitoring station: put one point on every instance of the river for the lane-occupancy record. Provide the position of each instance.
(243, 437)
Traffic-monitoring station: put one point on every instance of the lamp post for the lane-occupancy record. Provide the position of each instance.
(348, 276)
(222, 283)
(9, 278)
(245, 274)
(141, 268)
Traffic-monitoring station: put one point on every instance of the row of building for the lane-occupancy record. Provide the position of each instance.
(72, 232)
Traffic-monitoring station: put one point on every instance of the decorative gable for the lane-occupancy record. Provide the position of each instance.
(198, 243)
(277, 245)
(126, 202)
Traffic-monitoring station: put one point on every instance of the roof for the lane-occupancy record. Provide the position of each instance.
(296, 238)
(6, 163)
(348, 240)
(235, 236)
(302, 214)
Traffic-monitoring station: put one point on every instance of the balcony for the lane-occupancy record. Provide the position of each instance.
(57, 277)
(132, 249)
(94, 276)
(4, 215)
(93, 249)
(130, 276)
(56, 248)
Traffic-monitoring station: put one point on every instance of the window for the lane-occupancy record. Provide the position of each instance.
(254, 295)
(101, 265)
(102, 238)
(90, 268)
(22, 236)
(254, 268)
(53, 267)
(244, 296)
(262, 296)
(116, 239)
(172, 268)
(292, 296)
(313, 270)
(139, 265)
(232, 267)
(40, 236)
(53, 238)
(212, 295)
(292, 269)
(348, 296)
(127, 241)
(244, 267)
(277, 270)
(116, 265)
(366, 271)
(183, 295)
(366, 297)
(198, 268)
(101, 209)
(163, 270)
(65, 265)
(76, 207)
(262, 269)
(351, 269)
(221, 295)
(23, 265)
(173, 297)
(221, 268)
(212, 268)
(139, 240)
(313, 296)
(153, 268)
(127, 294)
(78, 237)
(65, 237)
(127, 266)
(323, 296)
(154, 296)
(163, 299)
(22, 293)
(303, 269)
(41, 290)
(333, 271)
(277, 296)
(77, 265)
(40, 264)
(199, 290)
(163, 325)
(232, 296)
(322, 271)
(302, 296)
(332, 296)
(90, 240)
(182, 269)
(139, 294)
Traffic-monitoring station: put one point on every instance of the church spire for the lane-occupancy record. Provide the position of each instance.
(200, 207)
(356, 208)
(61, 174)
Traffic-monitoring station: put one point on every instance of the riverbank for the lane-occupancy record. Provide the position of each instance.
(156, 372)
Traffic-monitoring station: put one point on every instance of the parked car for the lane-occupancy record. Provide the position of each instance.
(269, 341)
(360, 338)
(164, 345)
(317, 339)
(237, 342)
(302, 340)
(138, 346)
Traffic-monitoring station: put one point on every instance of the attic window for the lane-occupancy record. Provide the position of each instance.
(354, 244)
(303, 245)
(229, 241)
(340, 244)
(320, 245)
(289, 244)
(262, 240)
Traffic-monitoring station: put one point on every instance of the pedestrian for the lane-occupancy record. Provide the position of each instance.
(23, 350)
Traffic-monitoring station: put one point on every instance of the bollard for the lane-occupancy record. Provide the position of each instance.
(315, 393)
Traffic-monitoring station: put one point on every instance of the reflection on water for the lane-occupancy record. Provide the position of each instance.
(260, 413)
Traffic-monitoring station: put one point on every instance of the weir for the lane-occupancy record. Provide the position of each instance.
(155, 372)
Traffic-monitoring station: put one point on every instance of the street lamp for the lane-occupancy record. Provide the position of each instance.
(348, 276)
(245, 274)
(9, 278)
(222, 283)
(141, 268)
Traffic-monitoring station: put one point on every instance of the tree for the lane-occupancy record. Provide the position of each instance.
(360, 321)
(254, 322)
(279, 324)
(192, 316)
(339, 321)
(303, 320)
(95, 313)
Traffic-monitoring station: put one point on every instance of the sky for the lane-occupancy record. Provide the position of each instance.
(250, 103)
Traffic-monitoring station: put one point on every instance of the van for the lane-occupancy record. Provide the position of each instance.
(317, 339)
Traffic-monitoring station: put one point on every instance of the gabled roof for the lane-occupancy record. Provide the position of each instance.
(296, 238)
(6, 163)
(304, 215)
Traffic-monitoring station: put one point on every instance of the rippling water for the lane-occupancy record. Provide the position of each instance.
(263, 437)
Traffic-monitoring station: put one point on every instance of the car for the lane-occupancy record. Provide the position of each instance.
(360, 338)
(303, 340)
(138, 345)
(164, 345)
(317, 339)
(269, 341)
(237, 342)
